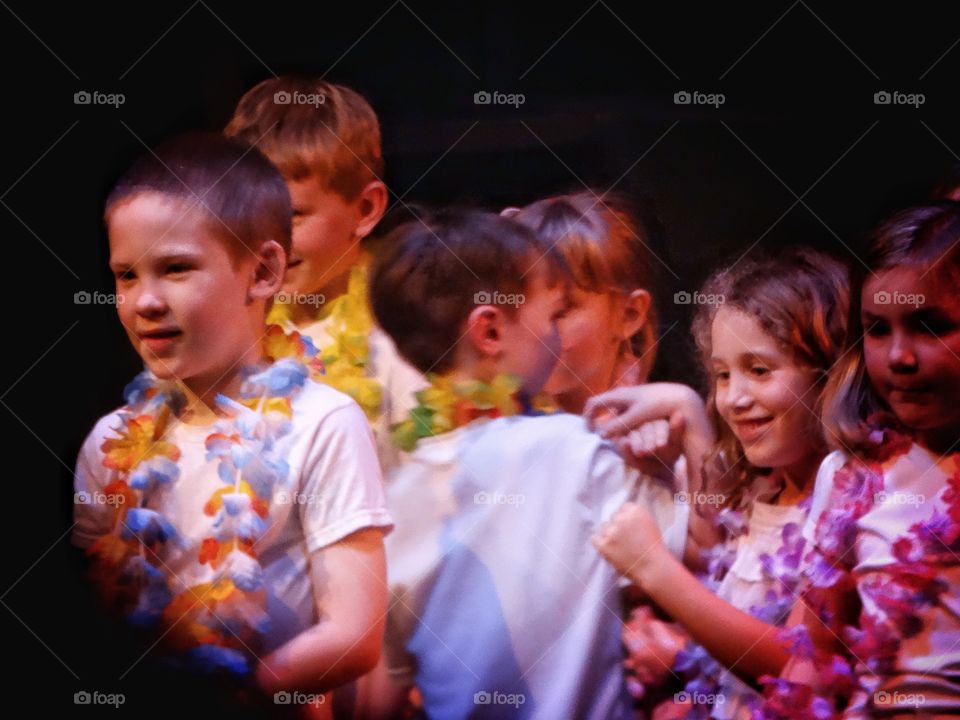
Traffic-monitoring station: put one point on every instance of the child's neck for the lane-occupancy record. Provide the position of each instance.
(572, 402)
(485, 372)
(940, 441)
(306, 312)
(476, 372)
(798, 479)
(201, 392)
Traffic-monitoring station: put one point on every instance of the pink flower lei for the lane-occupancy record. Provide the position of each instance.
(906, 588)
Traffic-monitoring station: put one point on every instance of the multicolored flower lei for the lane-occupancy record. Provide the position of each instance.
(903, 591)
(346, 358)
(211, 625)
(447, 404)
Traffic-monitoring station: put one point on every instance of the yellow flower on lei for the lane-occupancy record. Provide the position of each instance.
(346, 359)
(447, 404)
(141, 440)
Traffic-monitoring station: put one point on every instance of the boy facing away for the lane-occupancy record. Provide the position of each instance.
(500, 606)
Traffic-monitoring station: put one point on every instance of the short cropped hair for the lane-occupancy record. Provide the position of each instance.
(242, 193)
(438, 268)
(309, 127)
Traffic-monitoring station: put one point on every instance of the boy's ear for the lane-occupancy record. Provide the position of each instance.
(269, 270)
(371, 204)
(485, 330)
(636, 309)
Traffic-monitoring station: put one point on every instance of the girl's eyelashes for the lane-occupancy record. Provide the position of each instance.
(875, 327)
(924, 322)
(934, 323)
(757, 371)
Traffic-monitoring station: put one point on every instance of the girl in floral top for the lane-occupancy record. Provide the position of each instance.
(769, 333)
(880, 634)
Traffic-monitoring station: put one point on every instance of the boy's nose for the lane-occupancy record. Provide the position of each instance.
(149, 303)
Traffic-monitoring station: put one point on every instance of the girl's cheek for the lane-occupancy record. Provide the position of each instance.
(720, 398)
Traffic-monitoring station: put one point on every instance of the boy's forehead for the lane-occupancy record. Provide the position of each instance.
(160, 224)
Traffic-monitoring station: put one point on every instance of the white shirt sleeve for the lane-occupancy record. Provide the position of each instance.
(822, 489)
(342, 471)
(619, 483)
(92, 516)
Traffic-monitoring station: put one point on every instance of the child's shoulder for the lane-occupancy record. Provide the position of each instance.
(833, 462)
(558, 438)
(532, 428)
(106, 426)
(321, 414)
(316, 401)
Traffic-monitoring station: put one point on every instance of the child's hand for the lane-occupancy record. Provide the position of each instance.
(654, 447)
(619, 411)
(631, 542)
(652, 645)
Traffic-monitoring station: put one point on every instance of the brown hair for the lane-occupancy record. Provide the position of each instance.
(800, 299)
(309, 127)
(239, 190)
(925, 236)
(606, 248)
(438, 268)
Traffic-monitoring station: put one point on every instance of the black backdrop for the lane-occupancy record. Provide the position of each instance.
(799, 152)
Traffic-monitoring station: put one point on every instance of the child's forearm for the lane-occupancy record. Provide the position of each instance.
(379, 697)
(748, 647)
(316, 660)
(698, 439)
(349, 580)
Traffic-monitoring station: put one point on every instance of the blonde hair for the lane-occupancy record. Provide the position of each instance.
(800, 299)
(606, 248)
(309, 127)
(925, 236)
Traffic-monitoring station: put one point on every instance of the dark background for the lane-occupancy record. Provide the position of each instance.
(798, 153)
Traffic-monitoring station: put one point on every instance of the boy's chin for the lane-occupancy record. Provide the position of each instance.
(162, 371)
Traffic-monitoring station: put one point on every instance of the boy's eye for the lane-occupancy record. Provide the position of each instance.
(176, 268)
(719, 375)
(124, 275)
(759, 370)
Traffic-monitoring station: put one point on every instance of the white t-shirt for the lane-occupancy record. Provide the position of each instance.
(334, 489)
(399, 382)
(500, 605)
(927, 664)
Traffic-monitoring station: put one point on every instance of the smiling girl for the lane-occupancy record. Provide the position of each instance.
(768, 343)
